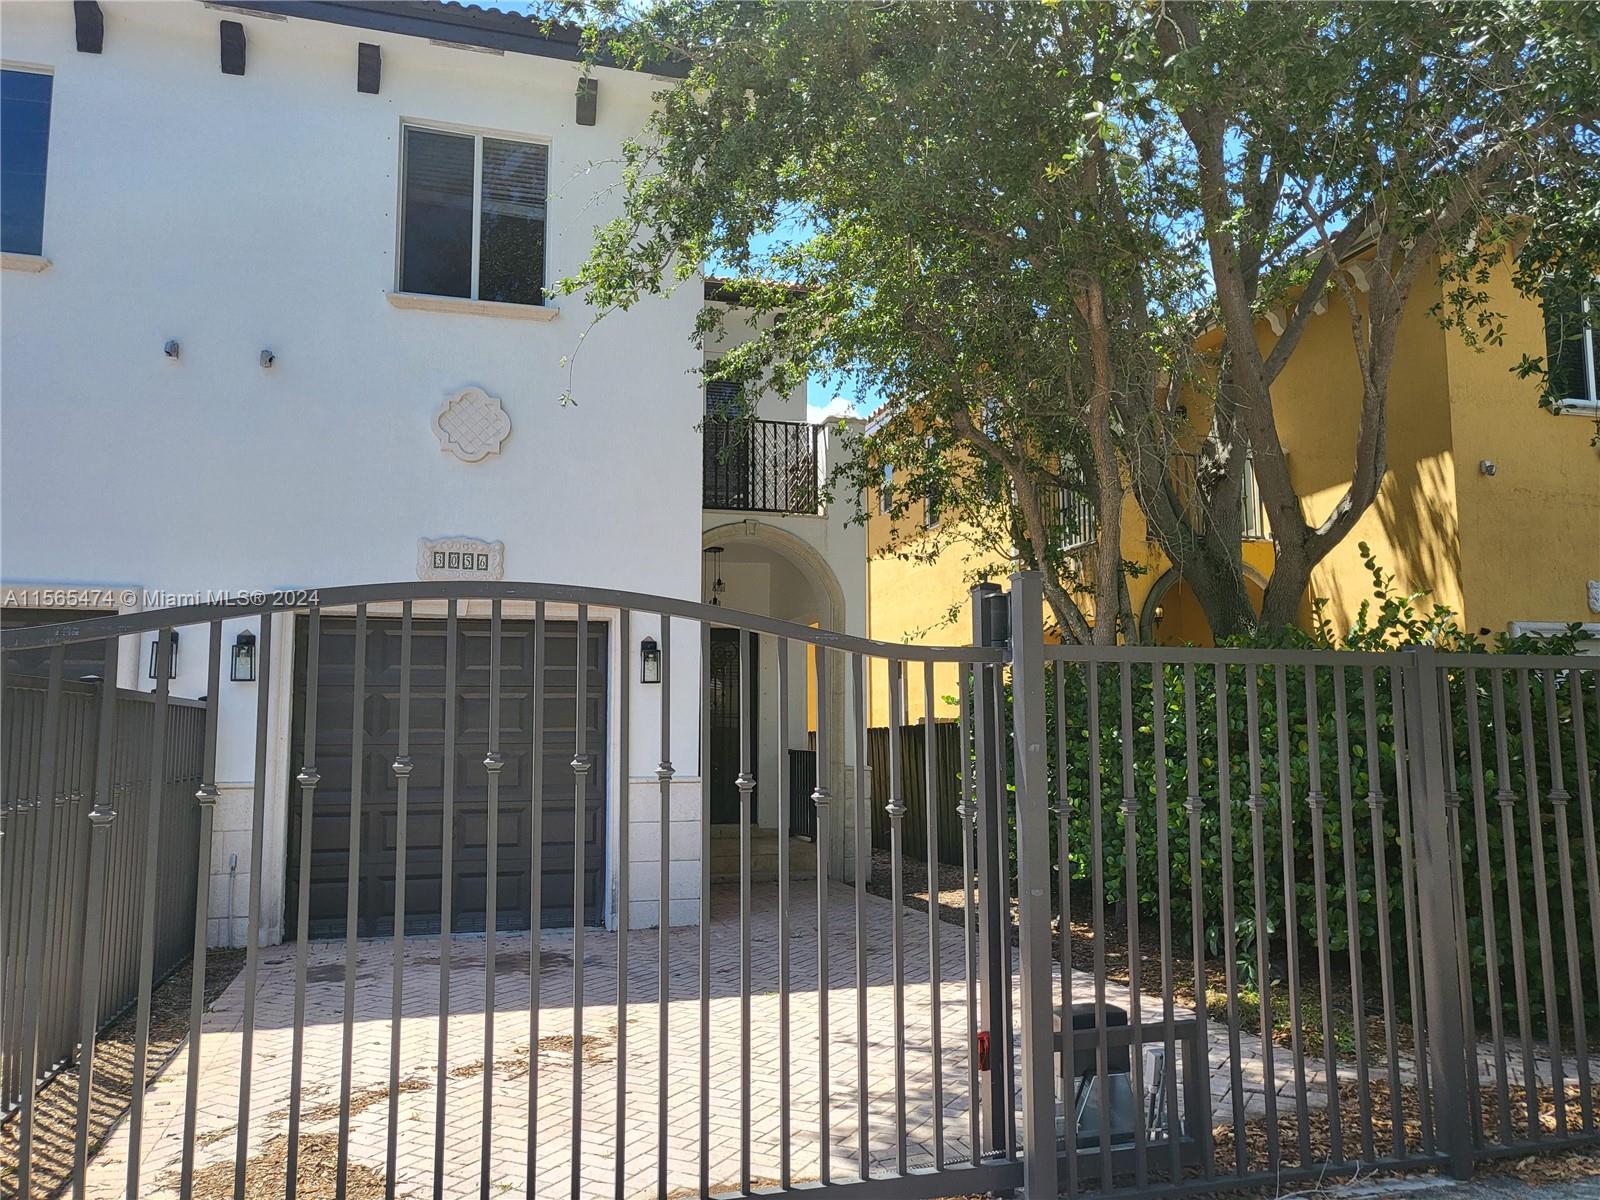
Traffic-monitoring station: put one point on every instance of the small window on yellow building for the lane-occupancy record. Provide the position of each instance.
(1569, 335)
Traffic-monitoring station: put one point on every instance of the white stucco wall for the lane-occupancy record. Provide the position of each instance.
(238, 213)
(737, 327)
(234, 214)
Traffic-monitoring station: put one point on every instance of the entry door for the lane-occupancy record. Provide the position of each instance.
(379, 821)
(724, 723)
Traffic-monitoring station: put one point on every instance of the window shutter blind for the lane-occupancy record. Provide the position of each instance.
(24, 152)
(512, 223)
(436, 247)
(515, 178)
(723, 399)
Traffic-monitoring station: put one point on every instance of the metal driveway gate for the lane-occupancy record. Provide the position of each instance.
(1222, 918)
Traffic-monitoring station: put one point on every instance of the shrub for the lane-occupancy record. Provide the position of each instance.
(1368, 847)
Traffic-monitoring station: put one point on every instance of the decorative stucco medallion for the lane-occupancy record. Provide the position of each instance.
(471, 425)
(1594, 595)
(460, 558)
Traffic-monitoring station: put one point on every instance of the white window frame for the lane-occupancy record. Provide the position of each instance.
(1586, 405)
(477, 134)
(1588, 632)
(886, 490)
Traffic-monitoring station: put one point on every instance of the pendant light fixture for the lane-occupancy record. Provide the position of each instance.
(717, 587)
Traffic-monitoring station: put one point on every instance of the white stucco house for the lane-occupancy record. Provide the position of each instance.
(277, 313)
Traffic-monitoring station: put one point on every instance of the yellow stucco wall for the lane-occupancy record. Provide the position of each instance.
(1413, 526)
(1530, 533)
(1519, 545)
(911, 601)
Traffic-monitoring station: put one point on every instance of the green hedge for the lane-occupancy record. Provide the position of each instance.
(1285, 753)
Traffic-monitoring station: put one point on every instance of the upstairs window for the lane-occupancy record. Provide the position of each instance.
(24, 150)
(886, 489)
(1569, 335)
(472, 218)
(724, 398)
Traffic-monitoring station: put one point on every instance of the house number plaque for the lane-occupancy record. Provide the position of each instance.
(460, 558)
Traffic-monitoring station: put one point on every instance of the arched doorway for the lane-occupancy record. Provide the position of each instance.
(772, 572)
(1172, 615)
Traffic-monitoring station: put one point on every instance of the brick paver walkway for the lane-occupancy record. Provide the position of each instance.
(550, 1065)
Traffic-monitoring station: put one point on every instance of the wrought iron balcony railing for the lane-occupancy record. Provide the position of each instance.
(761, 466)
(1252, 512)
(1079, 525)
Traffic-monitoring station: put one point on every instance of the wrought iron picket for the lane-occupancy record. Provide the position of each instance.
(1226, 917)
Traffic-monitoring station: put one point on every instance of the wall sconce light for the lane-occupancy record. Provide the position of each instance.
(649, 661)
(1160, 613)
(171, 349)
(242, 668)
(155, 653)
(1486, 466)
(268, 358)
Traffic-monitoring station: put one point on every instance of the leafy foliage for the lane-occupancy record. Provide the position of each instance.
(1013, 219)
(1121, 732)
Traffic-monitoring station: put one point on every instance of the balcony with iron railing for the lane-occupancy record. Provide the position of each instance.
(1079, 525)
(761, 466)
(1252, 512)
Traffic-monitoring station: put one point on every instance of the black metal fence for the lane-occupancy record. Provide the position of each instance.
(761, 466)
(802, 782)
(79, 756)
(1228, 918)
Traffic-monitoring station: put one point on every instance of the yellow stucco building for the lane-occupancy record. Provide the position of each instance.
(1491, 503)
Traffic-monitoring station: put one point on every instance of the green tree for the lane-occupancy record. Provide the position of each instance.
(1439, 137)
(1016, 218)
(978, 247)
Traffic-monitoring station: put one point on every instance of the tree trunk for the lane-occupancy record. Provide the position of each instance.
(1220, 591)
(1291, 576)
(1108, 473)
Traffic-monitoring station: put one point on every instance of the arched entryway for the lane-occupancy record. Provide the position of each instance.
(1172, 615)
(771, 572)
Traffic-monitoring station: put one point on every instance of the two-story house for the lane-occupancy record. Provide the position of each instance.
(1491, 503)
(281, 312)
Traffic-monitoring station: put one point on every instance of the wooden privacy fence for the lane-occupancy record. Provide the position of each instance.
(71, 830)
(946, 783)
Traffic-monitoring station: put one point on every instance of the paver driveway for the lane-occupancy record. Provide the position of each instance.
(549, 1065)
(273, 1054)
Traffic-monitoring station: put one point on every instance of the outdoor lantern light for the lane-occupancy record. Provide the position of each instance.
(649, 661)
(717, 586)
(1159, 614)
(155, 653)
(243, 667)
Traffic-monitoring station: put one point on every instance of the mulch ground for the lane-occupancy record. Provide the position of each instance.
(914, 877)
(1561, 1167)
(56, 1104)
